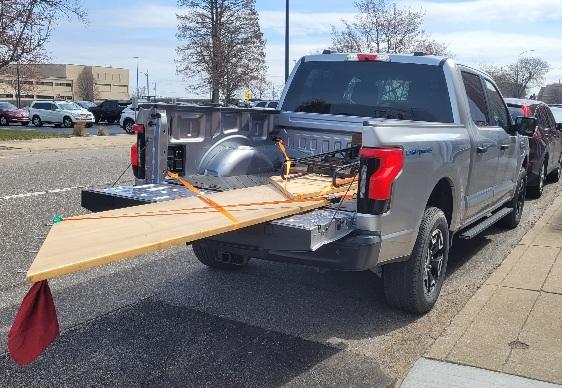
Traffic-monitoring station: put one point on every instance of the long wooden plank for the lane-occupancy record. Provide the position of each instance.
(95, 239)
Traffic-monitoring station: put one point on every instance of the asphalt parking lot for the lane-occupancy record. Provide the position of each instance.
(113, 129)
(165, 320)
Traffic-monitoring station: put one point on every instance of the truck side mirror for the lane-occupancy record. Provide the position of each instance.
(526, 125)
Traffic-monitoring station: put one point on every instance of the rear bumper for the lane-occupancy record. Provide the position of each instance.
(358, 251)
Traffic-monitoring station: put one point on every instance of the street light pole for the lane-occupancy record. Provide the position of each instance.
(147, 87)
(137, 58)
(286, 40)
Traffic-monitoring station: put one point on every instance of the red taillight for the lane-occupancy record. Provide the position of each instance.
(525, 110)
(138, 128)
(135, 155)
(390, 163)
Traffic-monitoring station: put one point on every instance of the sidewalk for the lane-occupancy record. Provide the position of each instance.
(15, 147)
(513, 324)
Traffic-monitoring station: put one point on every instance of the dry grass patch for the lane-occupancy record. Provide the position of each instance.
(102, 131)
(80, 130)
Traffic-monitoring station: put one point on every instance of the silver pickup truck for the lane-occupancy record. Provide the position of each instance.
(437, 156)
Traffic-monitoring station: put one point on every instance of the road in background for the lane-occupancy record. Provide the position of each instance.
(113, 129)
(164, 319)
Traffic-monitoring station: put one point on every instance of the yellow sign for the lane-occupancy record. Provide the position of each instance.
(247, 95)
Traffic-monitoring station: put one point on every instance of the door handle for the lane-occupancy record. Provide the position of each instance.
(481, 149)
(504, 147)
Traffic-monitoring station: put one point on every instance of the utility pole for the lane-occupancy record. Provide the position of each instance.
(18, 96)
(154, 91)
(147, 87)
(286, 40)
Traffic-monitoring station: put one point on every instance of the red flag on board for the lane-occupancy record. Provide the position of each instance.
(36, 325)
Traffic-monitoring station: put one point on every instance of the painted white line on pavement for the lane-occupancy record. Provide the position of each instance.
(37, 193)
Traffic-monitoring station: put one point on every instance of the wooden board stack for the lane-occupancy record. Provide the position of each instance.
(87, 241)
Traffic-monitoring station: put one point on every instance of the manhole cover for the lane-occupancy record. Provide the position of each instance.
(518, 345)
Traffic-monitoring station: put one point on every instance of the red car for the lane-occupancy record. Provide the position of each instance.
(10, 113)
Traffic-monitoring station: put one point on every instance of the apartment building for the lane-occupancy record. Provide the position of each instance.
(59, 81)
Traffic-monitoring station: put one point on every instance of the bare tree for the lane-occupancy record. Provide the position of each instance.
(516, 79)
(260, 86)
(382, 26)
(26, 25)
(86, 86)
(222, 45)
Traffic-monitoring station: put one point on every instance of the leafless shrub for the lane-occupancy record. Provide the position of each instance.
(80, 130)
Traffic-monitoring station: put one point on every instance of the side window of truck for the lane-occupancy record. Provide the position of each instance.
(498, 112)
(476, 98)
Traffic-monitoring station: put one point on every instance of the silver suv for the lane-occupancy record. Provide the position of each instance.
(59, 113)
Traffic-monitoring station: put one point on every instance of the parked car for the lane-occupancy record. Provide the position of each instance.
(431, 141)
(128, 117)
(266, 104)
(109, 110)
(9, 113)
(545, 143)
(59, 113)
(86, 104)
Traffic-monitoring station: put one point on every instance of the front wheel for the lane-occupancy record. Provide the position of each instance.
(3, 121)
(517, 202)
(67, 122)
(414, 285)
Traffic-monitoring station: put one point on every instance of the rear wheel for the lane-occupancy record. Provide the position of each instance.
(554, 176)
(517, 203)
(36, 120)
(128, 125)
(211, 258)
(414, 285)
(3, 120)
(536, 191)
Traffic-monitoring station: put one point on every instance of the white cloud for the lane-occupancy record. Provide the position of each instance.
(479, 11)
(302, 23)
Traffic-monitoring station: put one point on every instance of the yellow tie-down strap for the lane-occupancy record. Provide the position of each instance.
(204, 198)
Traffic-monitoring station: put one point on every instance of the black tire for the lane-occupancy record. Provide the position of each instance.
(536, 191)
(128, 125)
(517, 203)
(4, 121)
(554, 175)
(36, 120)
(414, 285)
(210, 257)
(67, 122)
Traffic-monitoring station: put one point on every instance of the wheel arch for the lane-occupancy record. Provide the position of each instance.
(442, 197)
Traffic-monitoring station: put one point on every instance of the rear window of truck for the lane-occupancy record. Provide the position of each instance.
(390, 90)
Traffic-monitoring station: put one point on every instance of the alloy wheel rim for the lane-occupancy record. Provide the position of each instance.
(3, 120)
(433, 261)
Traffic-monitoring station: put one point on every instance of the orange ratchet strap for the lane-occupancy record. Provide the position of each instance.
(204, 198)
(281, 145)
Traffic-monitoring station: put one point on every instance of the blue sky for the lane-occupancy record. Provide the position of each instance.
(477, 31)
